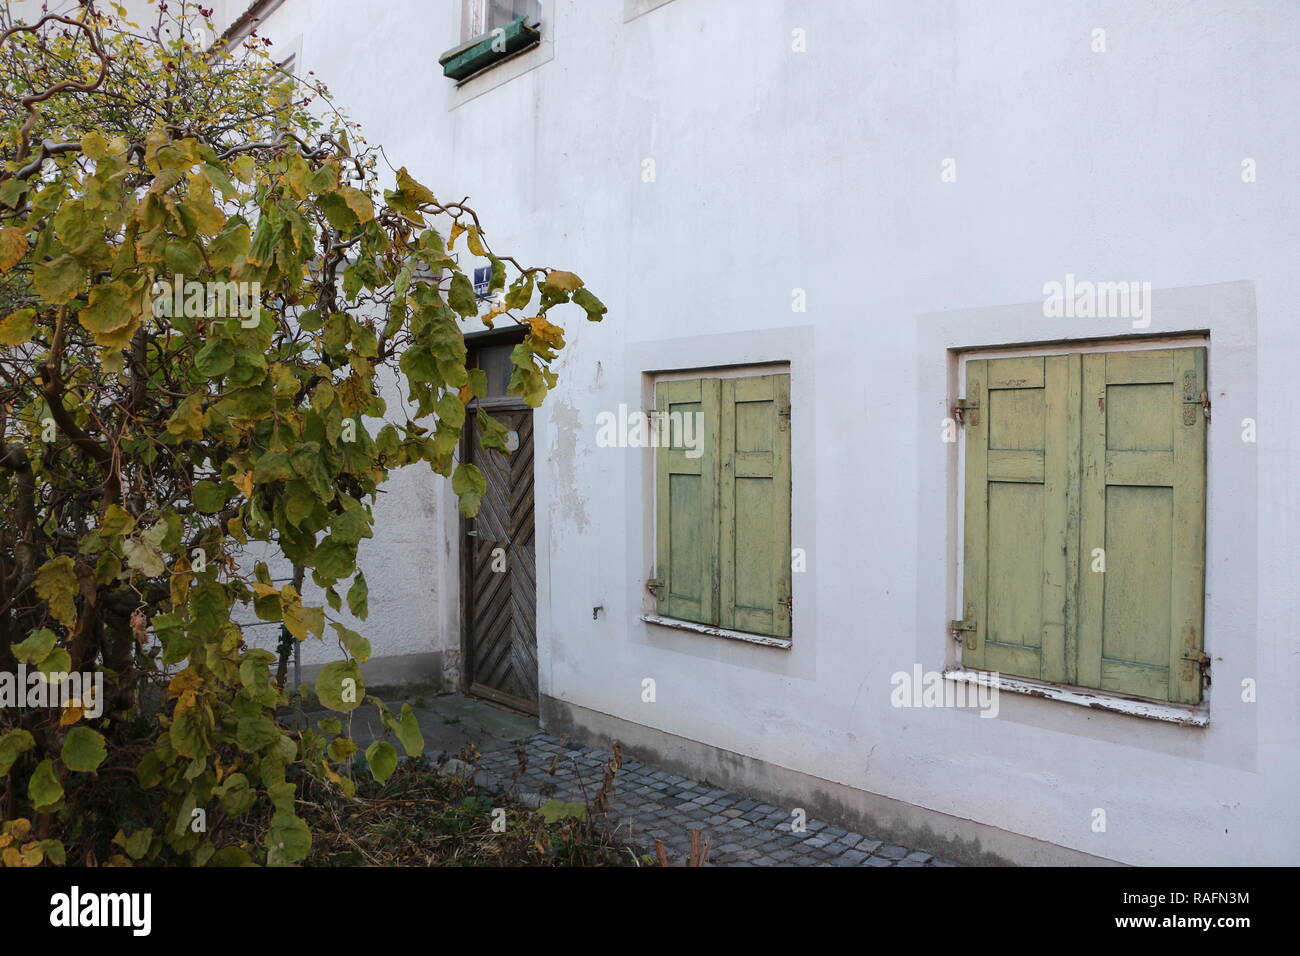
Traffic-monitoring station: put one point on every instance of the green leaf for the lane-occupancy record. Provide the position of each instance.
(553, 811)
(272, 466)
(461, 296)
(382, 758)
(355, 644)
(83, 749)
(289, 840)
(595, 309)
(254, 733)
(335, 559)
(359, 597)
(215, 359)
(469, 485)
(60, 280)
(408, 732)
(209, 497)
(44, 789)
(340, 687)
(521, 292)
(13, 744)
(137, 844)
(36, 647)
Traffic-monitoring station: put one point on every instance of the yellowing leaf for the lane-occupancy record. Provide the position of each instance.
(112, 307)
(414, 190)
(18, 327)
(186, 422)
(13, 246)
(56, 584)
(60, 280)
(358, 202)
(474, 241)
(565, 281)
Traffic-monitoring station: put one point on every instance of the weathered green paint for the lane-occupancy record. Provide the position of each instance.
(1019, 461)
(686, 503)
(755, 505)
(1073, 454)
(472, 56)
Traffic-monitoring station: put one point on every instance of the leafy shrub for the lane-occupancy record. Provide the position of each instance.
(149, 433)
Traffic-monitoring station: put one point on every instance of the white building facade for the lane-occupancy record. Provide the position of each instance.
(876, 205)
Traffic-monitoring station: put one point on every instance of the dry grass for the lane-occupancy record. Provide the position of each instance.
(424, 818)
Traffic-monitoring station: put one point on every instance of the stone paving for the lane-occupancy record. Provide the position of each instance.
(649, 803)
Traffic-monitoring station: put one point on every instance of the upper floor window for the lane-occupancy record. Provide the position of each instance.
(484, 16)
(492, 31)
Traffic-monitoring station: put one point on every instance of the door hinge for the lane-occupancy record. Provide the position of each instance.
(1193, 396)
(1202, 662)
(966, 411)
(959, 628)
(787, 603)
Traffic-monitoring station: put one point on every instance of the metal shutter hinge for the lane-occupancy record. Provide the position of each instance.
(959, 628)
(964, 407)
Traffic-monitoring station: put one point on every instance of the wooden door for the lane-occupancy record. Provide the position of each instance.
(499, 567)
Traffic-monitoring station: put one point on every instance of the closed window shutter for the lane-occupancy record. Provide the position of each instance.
(686, 501)
(1021, 488)
(1084, 556)
(755, 505)
(1144, 504)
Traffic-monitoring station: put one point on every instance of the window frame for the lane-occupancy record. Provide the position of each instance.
(651, 613)
(1168, 711)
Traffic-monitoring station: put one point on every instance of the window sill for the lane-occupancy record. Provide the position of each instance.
(759, 639)
(474, 56)
(1098, 700)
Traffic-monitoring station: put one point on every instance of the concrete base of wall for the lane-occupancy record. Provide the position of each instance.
(951, 838)
(401, 670)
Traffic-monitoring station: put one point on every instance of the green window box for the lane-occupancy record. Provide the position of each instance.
(481, 52)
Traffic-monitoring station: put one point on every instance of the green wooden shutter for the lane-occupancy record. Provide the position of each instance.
(1021, 489)
(686, 501)
(1070, 454)
(1144, 504)
(755, 500)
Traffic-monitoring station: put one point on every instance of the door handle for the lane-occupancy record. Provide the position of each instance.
(471, 534)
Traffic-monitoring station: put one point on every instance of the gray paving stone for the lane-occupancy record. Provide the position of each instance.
(649, 802)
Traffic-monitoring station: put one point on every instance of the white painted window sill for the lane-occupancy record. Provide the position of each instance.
(782, 642)
(1098, 700)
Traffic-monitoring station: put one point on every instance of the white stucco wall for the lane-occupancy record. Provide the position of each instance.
(821, 170)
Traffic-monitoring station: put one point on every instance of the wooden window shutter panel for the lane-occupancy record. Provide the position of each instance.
(1144, 504)
(686, 503)
(755, 505)
(1021, 491)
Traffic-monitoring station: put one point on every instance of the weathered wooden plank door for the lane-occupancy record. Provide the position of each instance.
(499, 567)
